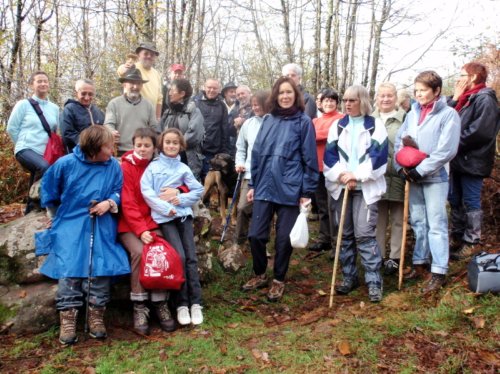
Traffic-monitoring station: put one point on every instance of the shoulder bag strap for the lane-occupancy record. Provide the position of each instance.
(38, 110)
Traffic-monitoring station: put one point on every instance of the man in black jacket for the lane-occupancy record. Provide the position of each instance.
(214, 113)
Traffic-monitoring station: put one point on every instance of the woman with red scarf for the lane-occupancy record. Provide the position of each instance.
(477, 106)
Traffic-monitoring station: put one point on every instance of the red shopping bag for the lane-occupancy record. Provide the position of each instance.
(161, 266)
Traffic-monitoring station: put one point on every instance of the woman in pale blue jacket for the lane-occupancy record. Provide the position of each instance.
(435, 128)
(26, 130)
(244, 145)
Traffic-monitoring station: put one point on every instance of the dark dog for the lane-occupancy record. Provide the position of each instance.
(221, 177)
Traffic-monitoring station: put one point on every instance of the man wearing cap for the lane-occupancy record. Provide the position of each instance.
(176, 71)
(229, 94)
(152, 91)
(130, 111)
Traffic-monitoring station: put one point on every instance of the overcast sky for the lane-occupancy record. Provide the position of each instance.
(469, 20)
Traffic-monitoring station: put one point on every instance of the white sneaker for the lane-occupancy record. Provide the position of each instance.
(196, 314)
(183, 315)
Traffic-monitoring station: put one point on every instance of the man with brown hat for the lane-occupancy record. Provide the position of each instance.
(151, 91)
(128, 112)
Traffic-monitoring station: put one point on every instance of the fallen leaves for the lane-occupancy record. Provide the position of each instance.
(344, 348)
(312, 316)
(260, 355)
(468, 311)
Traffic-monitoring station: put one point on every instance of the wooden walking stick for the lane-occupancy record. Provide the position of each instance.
(339, 242)
(403, 239)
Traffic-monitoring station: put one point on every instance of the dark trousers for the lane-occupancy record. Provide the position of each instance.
(179, 233)
(260, 228)
(33, 162)
(327, 224)
(206, 165)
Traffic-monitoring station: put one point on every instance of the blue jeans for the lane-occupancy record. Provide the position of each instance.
(429, 221)
(33, 162)
(465, 190)
(179, 233)
(465, 202)
(70, 292)
(359, 237)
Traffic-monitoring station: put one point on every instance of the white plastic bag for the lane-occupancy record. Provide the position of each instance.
(299, 236)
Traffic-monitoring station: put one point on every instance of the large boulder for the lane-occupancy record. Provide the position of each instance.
(18, 263)
(28, 308)
(232, 259)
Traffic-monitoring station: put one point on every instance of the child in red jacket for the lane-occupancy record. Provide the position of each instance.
(135, 227)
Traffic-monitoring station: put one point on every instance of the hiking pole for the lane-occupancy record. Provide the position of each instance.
(235, 196)
(339, 241)
(403, 239)
(91, 252)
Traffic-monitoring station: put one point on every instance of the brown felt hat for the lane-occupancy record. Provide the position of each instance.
(132, 75)
(148, 46)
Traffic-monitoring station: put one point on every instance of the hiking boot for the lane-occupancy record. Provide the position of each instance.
(183, 316)
(375, 293)
(141, 316)
(96, 322)
(434, 284)
(319, 247)
(167, 323)
(259, 281)
(276, 291)
(417, 272)
(391, 266)
(467, 250)
(196, 314)
(347, 285)
(67, 332)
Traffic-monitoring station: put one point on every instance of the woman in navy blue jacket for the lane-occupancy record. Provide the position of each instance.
(285, 174)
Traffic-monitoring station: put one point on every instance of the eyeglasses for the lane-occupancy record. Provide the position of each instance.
(349, 100)
(89, 94)
(328, 100)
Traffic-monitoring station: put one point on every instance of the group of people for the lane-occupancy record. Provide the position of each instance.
(289, 149)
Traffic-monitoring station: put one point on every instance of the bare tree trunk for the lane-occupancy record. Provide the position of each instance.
(285, 11)
(173, 28)
(186, 58)
(386, 9)
(353, 41)
(335, 46)
(201, 26)
(328, 32)
(316, 79)
(347, 45)
(180, 41)
(364, 80)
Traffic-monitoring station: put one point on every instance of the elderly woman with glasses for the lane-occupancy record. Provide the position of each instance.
(80, 113)
(356, 159)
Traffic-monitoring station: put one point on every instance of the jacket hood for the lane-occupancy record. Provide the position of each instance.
(82, 158)
(489, 92)
(76, 102)
(132, 159)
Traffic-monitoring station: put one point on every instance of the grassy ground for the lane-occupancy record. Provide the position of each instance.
(454, 331)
